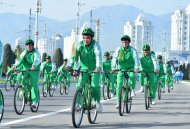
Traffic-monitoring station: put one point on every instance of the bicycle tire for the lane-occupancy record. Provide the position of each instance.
(75, 108)
(122, 101)
(2, 111)
(19, 95)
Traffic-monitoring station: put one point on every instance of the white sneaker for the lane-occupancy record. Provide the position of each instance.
(141, 90)
(133, 93)
(117, 106)
(34, 105)
(112, 95)
(99, 107)
(153, 102)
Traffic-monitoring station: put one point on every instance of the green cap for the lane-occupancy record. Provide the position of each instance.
(159, 57)
(48, 57)
(126, 38)
(146, 47)
(106, 54)
(88, 31)
(29, 41)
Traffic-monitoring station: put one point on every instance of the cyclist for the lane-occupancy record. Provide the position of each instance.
(1, 66)
(162, 72)
(107, 69)
(30, 59)
(169, 74)
(141, 79)
(48, 67)
(125, 58)
(149, 65)
(62, 72)
(88, 52)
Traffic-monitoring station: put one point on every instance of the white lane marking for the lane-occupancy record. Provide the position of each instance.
(42, 115)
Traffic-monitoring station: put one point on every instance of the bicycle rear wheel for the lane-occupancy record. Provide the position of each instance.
(19, 100)
(51, 89)
(92, 109)
(129, 101)
(147, 97)
(122, 101)
(159, 91)
(45, 89)
(8, 85)
(1, 105)
(77, 108)
(104, 91)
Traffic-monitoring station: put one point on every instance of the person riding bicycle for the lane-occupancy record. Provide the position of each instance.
(1, 66)
(169, 74)
(162, 72)
(88, 52)
(30, 59)
(48, 68)
(62, 72)
(125, 58)
(149, 65)
(107, 69)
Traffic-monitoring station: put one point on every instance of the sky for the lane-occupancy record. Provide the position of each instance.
(63, 10)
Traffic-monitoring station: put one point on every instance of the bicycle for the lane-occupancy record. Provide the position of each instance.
(83, 102)
(125, 99)
(106, 87)
(159, 88)
(147, 91)
(22, 94)
(1, 105)
(47, 86)
(11, 82)
(64, 86)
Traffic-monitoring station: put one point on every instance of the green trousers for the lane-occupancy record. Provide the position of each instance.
(170, 79)
(120, 81)
(95, 83)
(34, 76)
(67, 77)
(162, 81)
(152, 84)
(111, 80)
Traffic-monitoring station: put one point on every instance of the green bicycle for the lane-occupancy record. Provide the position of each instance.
(83, 102)
(1, 105)
(64, 86)
(22, 94)
(47, 86)
(11, 81)
(125, 99)
(106, 87)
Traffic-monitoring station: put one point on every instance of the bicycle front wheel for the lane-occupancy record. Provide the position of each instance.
(129, 101)
(19, 100)
(77, 108)
(104, 91)
(159, 91)
(51, 89)
(147, 97)
(122, 101)
(1, 105)
(45, 89)
(92, 109)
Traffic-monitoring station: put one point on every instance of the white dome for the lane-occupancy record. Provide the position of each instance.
(141, 17)
(188, 7)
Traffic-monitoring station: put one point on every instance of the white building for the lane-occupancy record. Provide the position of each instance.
(140, 31)
(180, 30)
(49, 46)
(21, 42)
(180, 34)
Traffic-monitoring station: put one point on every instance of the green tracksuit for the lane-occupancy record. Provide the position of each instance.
(162, 69)
(90, 58)
(48, 68)
(148, 65)
(107, 69)
(63, 73)
(125, 59)
(170, 72)
(26, 61)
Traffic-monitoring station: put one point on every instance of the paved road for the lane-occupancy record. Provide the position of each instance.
(172, 112)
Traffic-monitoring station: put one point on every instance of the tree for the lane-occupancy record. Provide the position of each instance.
(58, 57)
(7, 58)
(44, 57)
